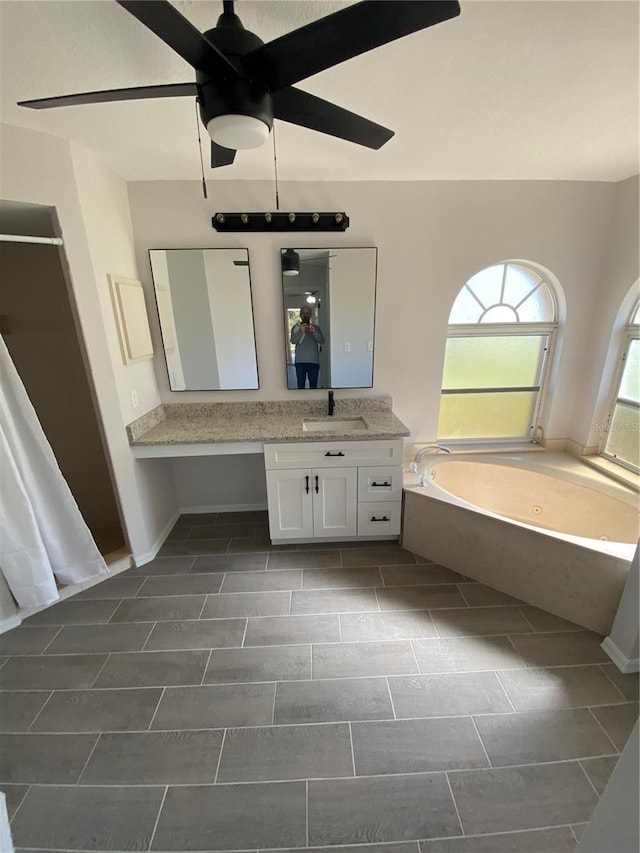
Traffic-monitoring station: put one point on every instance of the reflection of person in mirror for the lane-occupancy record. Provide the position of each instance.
(307, 337)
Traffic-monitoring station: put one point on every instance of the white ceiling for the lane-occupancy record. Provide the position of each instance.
(511, 89)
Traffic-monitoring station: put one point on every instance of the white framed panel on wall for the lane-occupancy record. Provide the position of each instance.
(129, 307)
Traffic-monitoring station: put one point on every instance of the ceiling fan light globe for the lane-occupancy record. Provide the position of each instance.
(238, 132)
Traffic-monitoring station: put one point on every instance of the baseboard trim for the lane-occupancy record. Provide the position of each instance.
(190, 510)
(624, 664)
(10, 622)
(148, 556)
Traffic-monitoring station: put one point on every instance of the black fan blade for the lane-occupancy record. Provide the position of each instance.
(171, 90)
(221, 156)
(340, 36)
(174, 29)
(298, 107)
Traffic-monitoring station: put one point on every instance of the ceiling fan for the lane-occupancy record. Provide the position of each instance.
(242, 84)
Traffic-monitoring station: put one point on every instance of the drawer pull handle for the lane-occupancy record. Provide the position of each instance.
(339, 453)
(317, 489)
(384, 518)
(306, 483)
(380, 484)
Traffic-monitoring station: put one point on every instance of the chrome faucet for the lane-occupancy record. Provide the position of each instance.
(331, 404)
(417, 459)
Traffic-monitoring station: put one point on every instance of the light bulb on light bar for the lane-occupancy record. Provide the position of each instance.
(237, 131)
(311, 300)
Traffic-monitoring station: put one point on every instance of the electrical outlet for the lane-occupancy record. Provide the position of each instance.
(347, 347)
(134, 399)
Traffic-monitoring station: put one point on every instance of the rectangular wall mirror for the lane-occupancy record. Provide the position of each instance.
(206, 318)
(329, 299)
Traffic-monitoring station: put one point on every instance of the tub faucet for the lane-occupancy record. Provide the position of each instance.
(331, 404)
(430, 448)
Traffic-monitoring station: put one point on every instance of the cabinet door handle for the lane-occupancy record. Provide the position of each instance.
(380, 484)
(384, 518)
(306, 483)
(317, 489)
(339, 453)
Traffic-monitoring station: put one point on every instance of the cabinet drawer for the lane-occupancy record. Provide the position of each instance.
(379, 519)
(379, 484)
(329, 454)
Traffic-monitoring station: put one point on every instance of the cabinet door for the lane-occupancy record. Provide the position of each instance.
(290, 498)
(335, 496)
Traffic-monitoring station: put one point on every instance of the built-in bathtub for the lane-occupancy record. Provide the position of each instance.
(543, 527)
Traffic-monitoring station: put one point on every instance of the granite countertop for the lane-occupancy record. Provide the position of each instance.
(277, 421)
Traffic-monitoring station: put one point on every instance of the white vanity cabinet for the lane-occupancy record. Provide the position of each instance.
(334, 490)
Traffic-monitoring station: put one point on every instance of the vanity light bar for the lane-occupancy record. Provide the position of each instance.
(279, 221)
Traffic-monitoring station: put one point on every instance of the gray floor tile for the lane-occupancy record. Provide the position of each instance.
(304, 560)
(190, 519)
(456, 694)
(54, 672)
(14, 795)
(191, 584)
(397, 847)
(100, 638)
(377, 809)
(410, 575)
(164, 608)
(473, 654)
(75, 613)
(391, 625)
(193, 547)
(78, 818)
(617, 721)
(179, 532)
(282, 753)
(377, 556)
(219, 706)
(416, 746)
(250, 516)
(247, 604)
(342, 699)
(347, 660)
(232, 817)
(293, 630)
(57, 759)
(479, 621)
(220, 531)
(118, 587)
(530, 737)
(98, 710)
(542, 621)
(230, 563)
(252, 545)
(423, 597)
(511, 798)
(556, 840)
(627, 684)
(164, 566)
(197, 634)
(599, 770)
(558, 687)
(560, 649)
(262, 581)
(361, 576)
(276, 663)
(18, 709)
(27, 641)
(479, 595)
(333, 601)
(154, 758)
(153, 669)
(577, 829)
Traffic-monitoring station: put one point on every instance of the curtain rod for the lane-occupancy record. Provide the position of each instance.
(17, 238)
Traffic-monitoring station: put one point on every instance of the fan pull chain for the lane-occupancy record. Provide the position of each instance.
(275, 165)
(204, 185)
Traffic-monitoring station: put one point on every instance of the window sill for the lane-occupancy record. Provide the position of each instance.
(616, 472)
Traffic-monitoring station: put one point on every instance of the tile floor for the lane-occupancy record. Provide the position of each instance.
(234, 696)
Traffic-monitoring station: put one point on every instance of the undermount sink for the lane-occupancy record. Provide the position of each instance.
(334, 425)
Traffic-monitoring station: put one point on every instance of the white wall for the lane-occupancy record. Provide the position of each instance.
(431, 238)
(91, 207)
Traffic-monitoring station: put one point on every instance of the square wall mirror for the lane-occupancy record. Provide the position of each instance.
(206, 318)
(329, 306)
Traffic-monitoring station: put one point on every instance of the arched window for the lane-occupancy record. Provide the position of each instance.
(621, 441)
(498, 345)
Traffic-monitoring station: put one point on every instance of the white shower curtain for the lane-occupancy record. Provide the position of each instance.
(43, 537)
